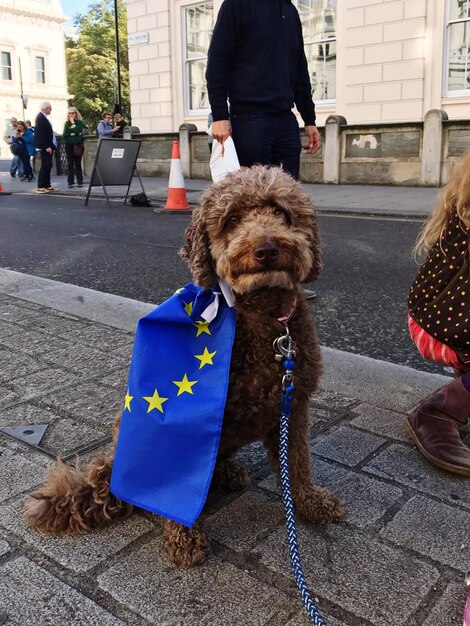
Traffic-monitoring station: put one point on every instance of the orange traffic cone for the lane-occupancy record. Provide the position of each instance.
(4, 193)
(176, 192)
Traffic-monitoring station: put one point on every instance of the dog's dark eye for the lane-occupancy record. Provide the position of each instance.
(282, 213)
(233, 220)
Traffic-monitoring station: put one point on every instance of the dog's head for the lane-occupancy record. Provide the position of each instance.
(256, 228)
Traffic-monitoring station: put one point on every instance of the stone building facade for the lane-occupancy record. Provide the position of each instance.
(32, 61)
(371, 61)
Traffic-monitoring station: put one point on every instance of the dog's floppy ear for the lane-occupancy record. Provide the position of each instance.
(196, 251)
(316, 250)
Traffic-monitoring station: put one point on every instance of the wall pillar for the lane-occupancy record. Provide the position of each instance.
(185, 147)
(431, 158)
(332, 148)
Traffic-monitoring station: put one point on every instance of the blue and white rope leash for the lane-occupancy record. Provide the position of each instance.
(285, 349)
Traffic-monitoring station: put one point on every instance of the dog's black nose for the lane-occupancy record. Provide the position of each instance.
(266, 252)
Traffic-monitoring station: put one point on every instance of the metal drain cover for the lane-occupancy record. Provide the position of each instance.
(29, 433)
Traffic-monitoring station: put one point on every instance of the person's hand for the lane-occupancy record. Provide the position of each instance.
(49, 150)
(314, 140)
(221, 130)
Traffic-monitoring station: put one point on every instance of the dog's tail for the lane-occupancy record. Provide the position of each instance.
(73, 501)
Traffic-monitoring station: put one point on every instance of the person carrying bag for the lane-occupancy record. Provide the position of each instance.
(74, 148)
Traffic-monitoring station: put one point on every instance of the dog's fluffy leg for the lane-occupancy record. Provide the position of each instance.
(230, 474)
(74, 501)
(313, 503)
(185, 546)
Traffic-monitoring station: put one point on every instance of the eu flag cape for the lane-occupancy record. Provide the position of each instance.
(174, 406)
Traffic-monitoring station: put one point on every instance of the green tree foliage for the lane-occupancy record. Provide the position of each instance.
(91, 62)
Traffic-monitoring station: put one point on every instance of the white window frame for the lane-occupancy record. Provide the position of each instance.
(322, 41)
(36, 70)
(454, 93)
(188, 111)
(10, 67)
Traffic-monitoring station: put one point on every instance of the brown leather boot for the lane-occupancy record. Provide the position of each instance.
(435, 427)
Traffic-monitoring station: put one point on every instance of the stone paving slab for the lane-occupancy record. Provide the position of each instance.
(405, 466)
(448, 611)
(29, 595)
(217, 594)
(78, 553)
(88, 402)
(17, 472)
(42, 381)
(432, 529)
(33, 342)
(243, 523)
(15, 365)
(380, 421)
(347, 445)
(355, 571)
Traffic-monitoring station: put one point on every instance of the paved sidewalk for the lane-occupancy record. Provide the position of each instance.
(399, 559)
(364, 199)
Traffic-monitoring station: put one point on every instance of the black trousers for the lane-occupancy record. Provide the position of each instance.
(25, 160)
(268, 140)
(74, 165)
(44, 176)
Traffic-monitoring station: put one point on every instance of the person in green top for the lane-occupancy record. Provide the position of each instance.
(73, 140)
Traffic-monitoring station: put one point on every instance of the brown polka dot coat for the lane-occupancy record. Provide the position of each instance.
(439, 298)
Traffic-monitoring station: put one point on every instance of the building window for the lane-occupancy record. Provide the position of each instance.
(198, 24)
(318, 19)
(458, 46)
(40, 69)
(6, 66)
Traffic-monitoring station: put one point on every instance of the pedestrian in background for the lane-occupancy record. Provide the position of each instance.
(439, 323)
(16, 165)
(105, 127)
(45, 142)
(119, 125)
(256, 61)
(74, 148)
(24, 141)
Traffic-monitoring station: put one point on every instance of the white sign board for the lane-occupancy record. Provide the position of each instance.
(117, 153)
(137, 38)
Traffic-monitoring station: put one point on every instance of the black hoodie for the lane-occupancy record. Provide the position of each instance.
(257, 60)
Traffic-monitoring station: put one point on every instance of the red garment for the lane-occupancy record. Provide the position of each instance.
(432, 349)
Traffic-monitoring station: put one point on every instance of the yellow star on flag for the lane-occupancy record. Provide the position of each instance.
(184, 385)
(202, 327)
(155, 402)
(188, 307)
(127, 401)
(205, 358)
(178, 291)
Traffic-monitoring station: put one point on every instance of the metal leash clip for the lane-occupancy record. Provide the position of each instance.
(284, 347)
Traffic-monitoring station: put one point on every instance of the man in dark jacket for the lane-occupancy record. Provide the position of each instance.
(257, 61)
(44, 140)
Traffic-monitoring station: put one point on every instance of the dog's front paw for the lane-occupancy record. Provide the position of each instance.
(319, 506)
(231, 475)
(185, 546)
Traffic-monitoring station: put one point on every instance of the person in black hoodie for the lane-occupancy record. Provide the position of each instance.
(257, 62)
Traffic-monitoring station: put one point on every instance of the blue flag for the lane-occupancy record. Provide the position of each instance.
(174, 406)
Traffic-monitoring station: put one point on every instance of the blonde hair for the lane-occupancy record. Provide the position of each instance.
(453, 200)
(76, 111)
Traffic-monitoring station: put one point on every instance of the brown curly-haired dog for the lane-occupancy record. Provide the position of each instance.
(257, 231)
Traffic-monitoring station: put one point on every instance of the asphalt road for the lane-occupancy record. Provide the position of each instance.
(361, 295)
